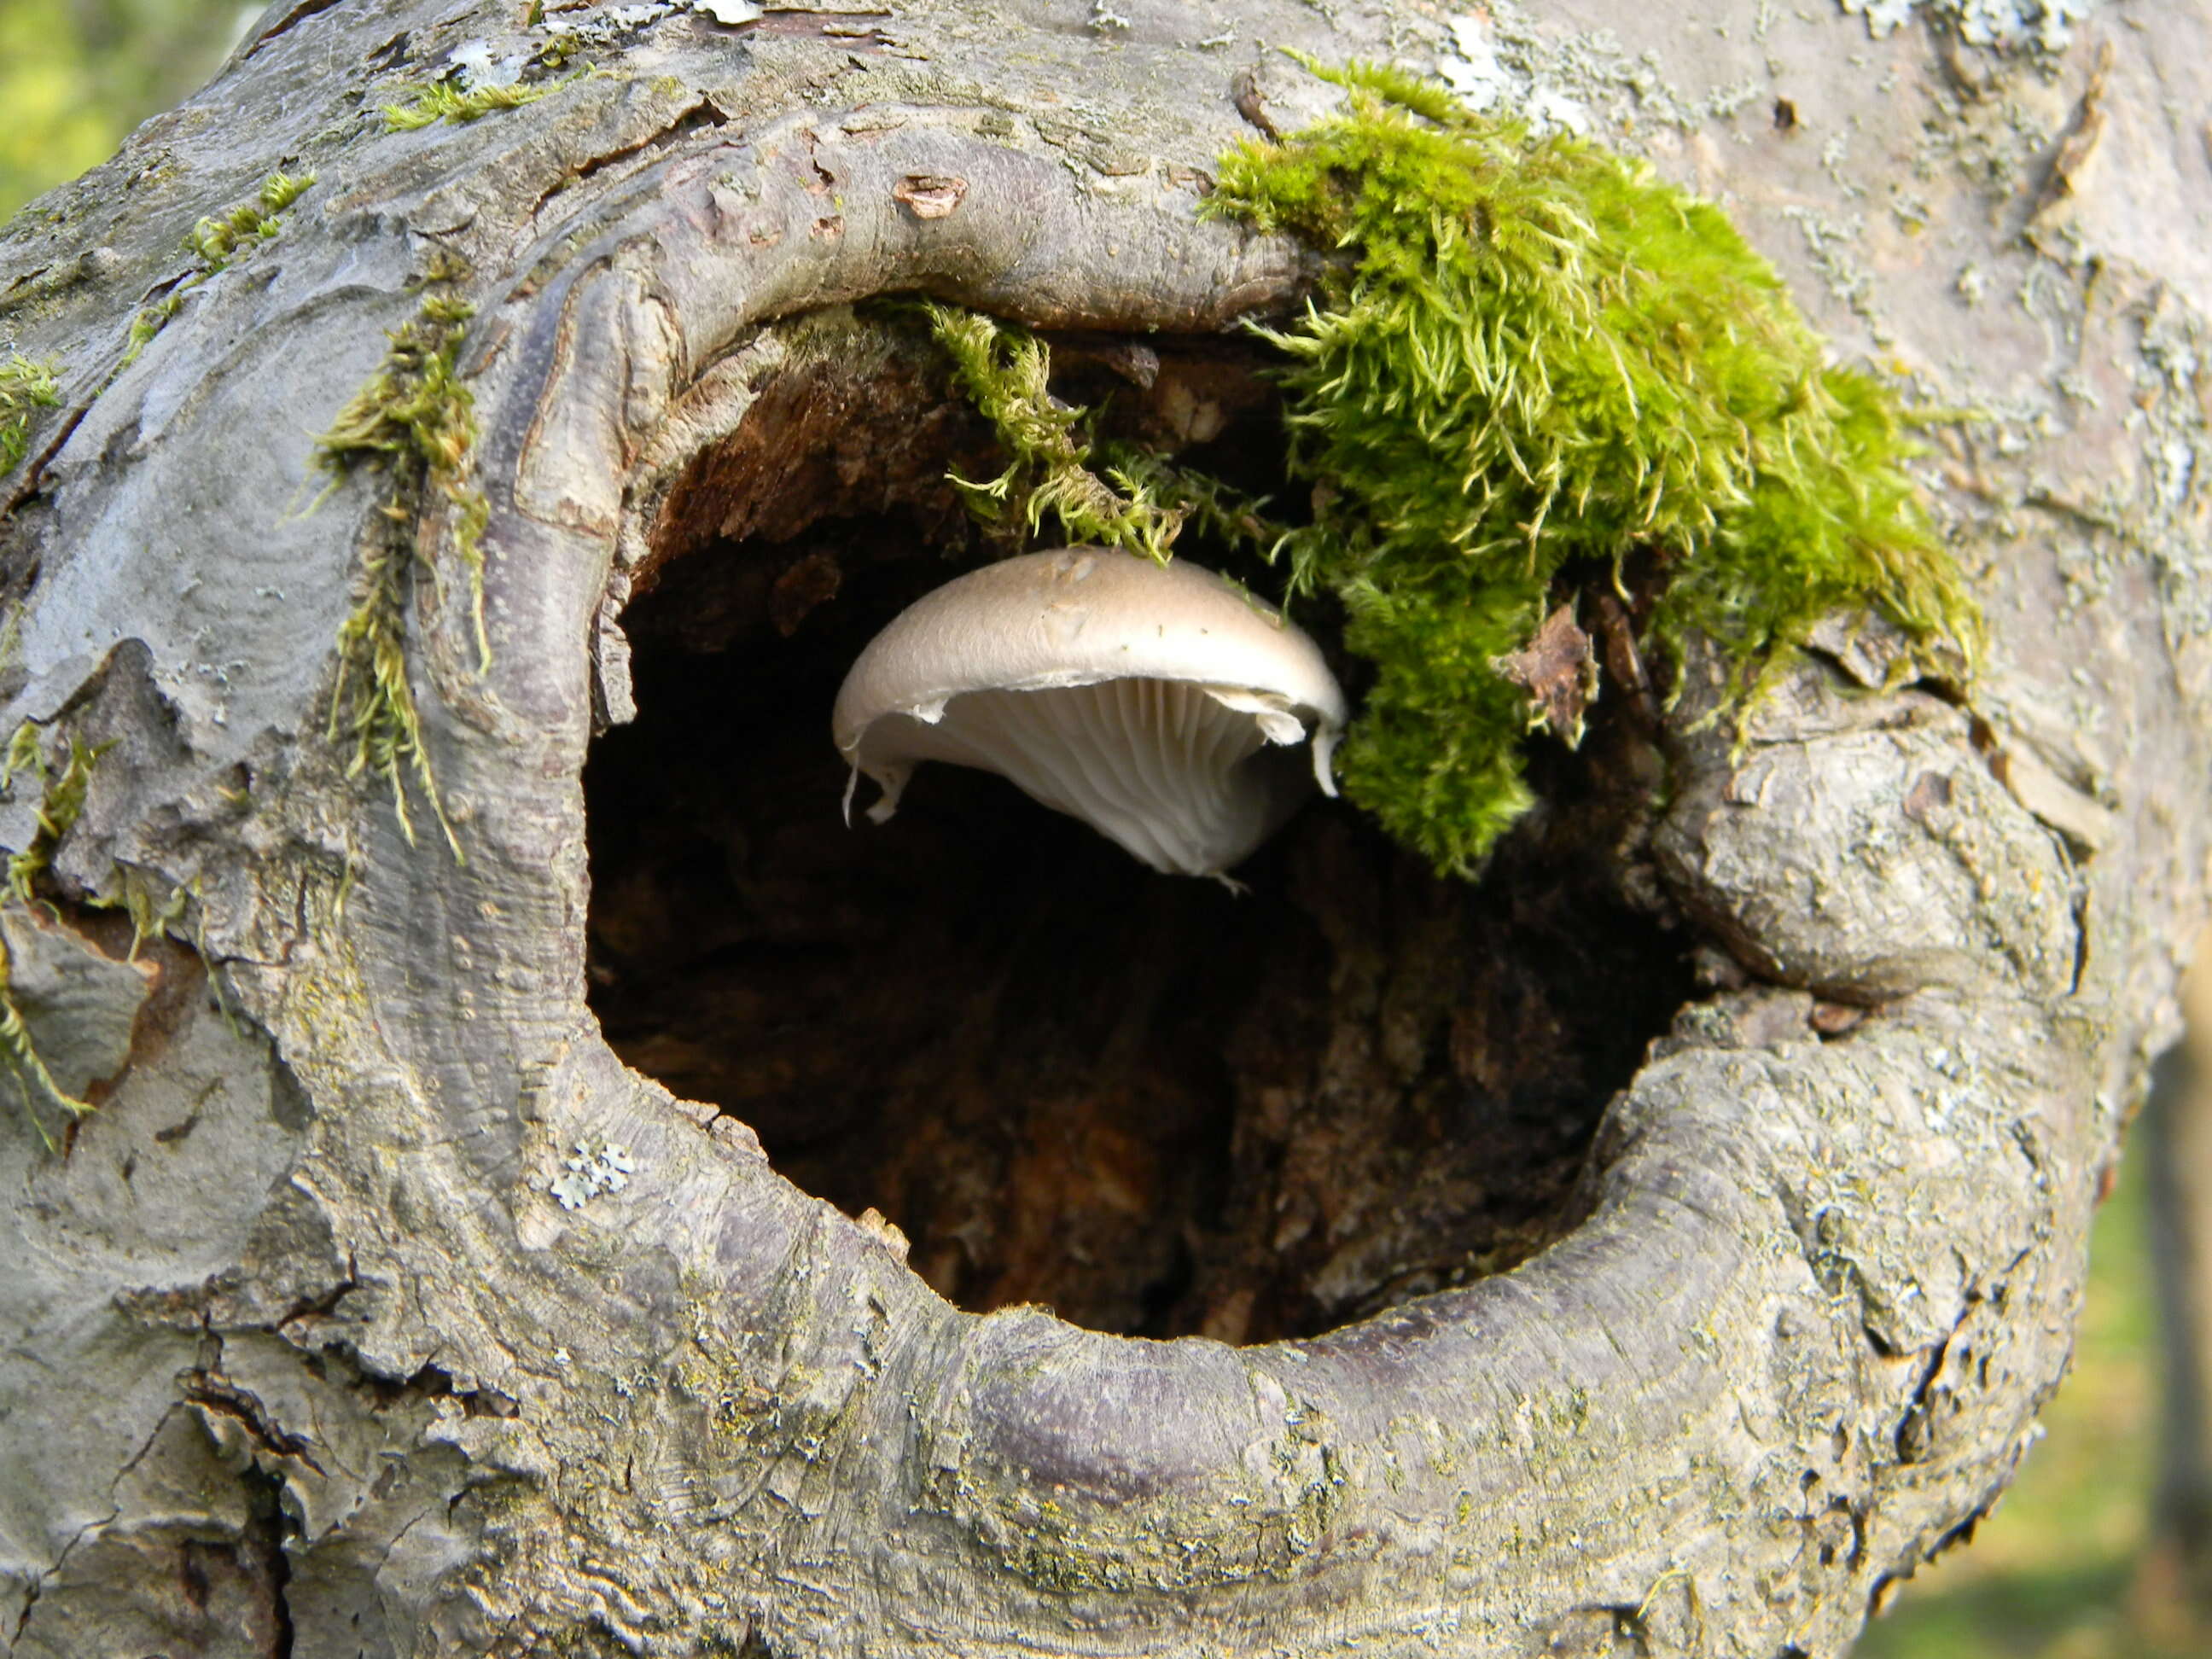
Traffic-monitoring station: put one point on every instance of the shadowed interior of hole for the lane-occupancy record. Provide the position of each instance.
(1154, 1105)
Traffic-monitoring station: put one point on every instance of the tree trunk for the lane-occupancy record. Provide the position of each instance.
(1661, 1245)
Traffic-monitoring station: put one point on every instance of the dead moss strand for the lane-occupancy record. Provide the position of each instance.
(19, 1056)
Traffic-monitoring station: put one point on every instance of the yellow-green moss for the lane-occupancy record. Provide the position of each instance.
(148, 920)
(414, 421)
(24, 754)
(216, 238)
(1527, 357)
(1528, 353)
(19, 1057)
(150, 321)
(1006, 372)
(213, 243)
(444, 100)
(61, 800)
(27, 386)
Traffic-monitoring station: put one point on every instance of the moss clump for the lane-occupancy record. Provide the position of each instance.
(60, 801)
(1007, 371)
(150, 321)
(214, 242)
(443, 101)
(1528, 352)
(27, 386)
(414, 421)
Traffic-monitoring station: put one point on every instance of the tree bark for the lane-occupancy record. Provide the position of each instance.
(305, 1355)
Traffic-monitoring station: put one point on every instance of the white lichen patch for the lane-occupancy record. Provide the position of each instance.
(2007, 25)
(595, 1166)
(1471, 67)
(478, 64)
(1501, 60)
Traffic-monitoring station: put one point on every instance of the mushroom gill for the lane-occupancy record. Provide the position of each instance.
(1137, 697)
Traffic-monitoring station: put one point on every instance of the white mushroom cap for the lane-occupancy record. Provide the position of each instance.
(1133, 695)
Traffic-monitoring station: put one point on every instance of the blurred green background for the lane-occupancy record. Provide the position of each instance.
(2057, 1573)
(76, 74)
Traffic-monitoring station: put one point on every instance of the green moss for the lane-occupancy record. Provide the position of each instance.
(414, 421)
(443, 101)
(23, 755)
(63, 784)
(214, 242)
(150, 321)
(1007, 371)
(1528, 354)
(18, 1057)
(61, 800)
(1528, 361)
(27, 386)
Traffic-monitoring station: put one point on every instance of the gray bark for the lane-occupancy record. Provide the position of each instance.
(304, 1356)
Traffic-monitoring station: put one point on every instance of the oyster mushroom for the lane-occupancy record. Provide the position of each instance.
(1156, 703)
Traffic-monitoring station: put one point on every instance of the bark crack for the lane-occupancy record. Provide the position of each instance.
(34, 469)
(697, 116)
(114, 1508)
(298, 14)
(213, 1392)
(265, 1537)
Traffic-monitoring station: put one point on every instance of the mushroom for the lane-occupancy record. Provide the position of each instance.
(1136, 697)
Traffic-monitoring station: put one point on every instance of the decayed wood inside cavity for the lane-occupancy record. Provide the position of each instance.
(1152, 1104)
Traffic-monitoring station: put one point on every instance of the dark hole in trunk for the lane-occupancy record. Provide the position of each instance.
(1152, 1104)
